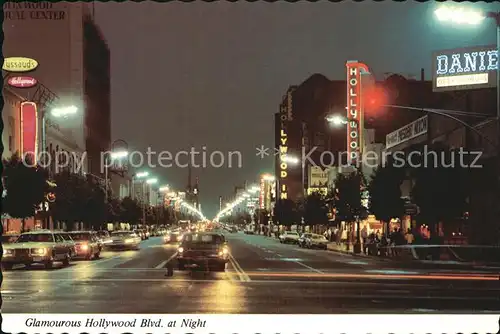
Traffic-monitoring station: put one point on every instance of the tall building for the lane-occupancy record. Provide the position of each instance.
(73, 70)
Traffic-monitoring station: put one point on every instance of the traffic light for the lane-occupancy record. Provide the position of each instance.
(375, 98)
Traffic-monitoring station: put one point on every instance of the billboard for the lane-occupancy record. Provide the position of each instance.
(407, 132)
(354, 109)
(29, 130)
(465, 68)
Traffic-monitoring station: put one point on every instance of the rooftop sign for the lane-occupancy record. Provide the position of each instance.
(465, 68)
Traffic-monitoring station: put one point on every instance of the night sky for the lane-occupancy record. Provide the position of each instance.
(212, 74)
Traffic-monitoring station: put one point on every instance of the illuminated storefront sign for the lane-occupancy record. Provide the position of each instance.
(22, 82)
(465, 68)
(354, 109)
(29, 130)
(262, 191)
(19, 64)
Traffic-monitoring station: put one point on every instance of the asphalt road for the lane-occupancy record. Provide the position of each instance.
(263, 276)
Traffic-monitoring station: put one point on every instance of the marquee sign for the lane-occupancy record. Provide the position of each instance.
(354, 110)
(465, 68)
(285, 116)
(262, 191)
(29, 130)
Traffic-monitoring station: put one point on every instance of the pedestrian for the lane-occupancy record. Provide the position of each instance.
(410, 238)
(364, 238)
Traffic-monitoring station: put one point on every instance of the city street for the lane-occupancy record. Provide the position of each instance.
(263, 276)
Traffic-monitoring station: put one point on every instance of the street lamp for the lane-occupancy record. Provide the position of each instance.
(60, 112)
(113, 156)
(336, 120)
(461, 15)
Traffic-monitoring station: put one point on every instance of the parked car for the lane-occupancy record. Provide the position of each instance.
(104, 237)
(302, 240)
(37, 247)
(317, 241)
(88, 245)
(289, 237)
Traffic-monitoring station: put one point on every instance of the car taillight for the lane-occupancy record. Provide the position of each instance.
(84, 247)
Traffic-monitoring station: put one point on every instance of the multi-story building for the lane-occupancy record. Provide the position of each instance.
(73, 70)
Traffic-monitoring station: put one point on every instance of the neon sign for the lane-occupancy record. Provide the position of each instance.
(354, 110)
(262, 191)
(285, 115)
(466, 68)
(29, 131)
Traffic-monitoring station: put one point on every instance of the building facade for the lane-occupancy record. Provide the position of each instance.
(73, 70)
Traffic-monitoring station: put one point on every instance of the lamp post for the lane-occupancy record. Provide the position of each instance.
(148, 182)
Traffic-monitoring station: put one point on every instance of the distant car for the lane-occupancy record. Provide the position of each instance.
(303, 238)
(43, 247)
(88, 245)
(289, 237)
(206, 250)
(124, 240)
(317, 241)
(172, 238)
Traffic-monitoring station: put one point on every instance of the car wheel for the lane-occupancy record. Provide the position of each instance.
(170, 271)
(97, 255)
(88, 257)
(66, 260)
(48, 264)
(7, 266)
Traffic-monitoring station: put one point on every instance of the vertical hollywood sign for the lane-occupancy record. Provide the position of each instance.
(29, 131)
(283, 149)
(354, 110)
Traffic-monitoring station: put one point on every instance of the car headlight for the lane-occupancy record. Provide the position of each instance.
(84, 247)
(39, 251)
(180, 250)
(7, 252)
(129, 241)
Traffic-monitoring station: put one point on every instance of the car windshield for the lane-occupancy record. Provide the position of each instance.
(203, 239)
(7, 239)
(35, 237)
(66, 237)
(80, 236)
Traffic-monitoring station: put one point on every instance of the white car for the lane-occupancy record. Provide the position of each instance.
(289, 237)
(316, 241)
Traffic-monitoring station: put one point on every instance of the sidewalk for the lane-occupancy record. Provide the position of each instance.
(343, 248)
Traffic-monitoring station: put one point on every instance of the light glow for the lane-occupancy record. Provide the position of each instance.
(142, 174)
(151, 181)
(459, 15)
(119, 155)
(64, 111)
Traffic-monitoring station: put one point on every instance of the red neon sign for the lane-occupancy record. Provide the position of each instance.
(354, 110)
(29, 131)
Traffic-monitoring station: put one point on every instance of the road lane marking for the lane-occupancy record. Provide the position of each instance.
(308, 267)
(237, 270)
(164, 263)
(244, 277)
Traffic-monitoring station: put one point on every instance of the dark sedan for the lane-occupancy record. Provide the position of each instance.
(206, 250)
